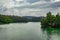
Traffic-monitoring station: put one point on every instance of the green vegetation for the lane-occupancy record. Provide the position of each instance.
(51, 21)
(5, 19)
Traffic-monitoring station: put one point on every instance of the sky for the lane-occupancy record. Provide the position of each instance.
(29, 7)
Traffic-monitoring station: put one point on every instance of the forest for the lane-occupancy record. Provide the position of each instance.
(51, 21)
(5, 19)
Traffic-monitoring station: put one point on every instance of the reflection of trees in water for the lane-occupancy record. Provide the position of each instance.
(51, 31)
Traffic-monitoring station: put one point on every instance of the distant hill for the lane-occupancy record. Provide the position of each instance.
(34, 18)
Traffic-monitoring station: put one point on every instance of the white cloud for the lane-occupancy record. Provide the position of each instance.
(24, 8)
(40, 2)
(19, 3)
(55, 0)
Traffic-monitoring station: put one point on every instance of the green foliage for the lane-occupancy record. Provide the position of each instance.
(51, 20)
(5, 19)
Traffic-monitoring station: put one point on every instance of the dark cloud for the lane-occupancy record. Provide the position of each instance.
(47, 5)
(56, 4)
(32, 1)
(47, 0)
(2, 9)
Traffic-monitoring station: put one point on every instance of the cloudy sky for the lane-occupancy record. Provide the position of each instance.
(29, 7)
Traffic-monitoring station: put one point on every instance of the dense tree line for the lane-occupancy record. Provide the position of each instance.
(51, 21)
(5, 19)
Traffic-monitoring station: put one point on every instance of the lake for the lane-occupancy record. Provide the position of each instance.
(27, 31)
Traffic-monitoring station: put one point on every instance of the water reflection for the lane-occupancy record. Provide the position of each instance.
(20, 31)
(51, 33)
(28, 31)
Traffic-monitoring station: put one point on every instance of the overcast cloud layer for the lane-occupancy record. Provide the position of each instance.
(29, 7)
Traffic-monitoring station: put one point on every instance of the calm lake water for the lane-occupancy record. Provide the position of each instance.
(27, 31)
